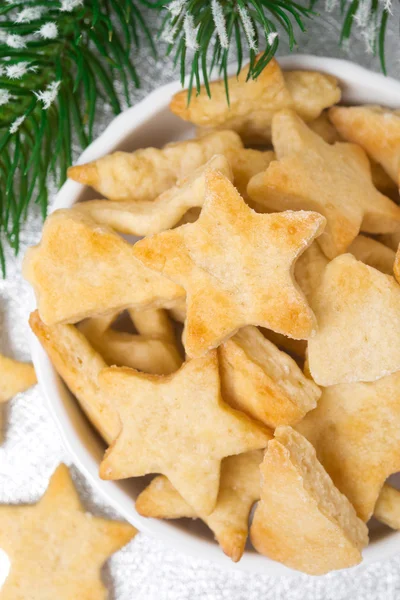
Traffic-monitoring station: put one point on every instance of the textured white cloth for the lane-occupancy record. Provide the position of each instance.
(31, 448)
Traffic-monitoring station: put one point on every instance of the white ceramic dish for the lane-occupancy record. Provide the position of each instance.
(150, 123)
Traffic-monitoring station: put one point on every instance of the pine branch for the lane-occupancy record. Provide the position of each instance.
(58, 59)
(209, 30)
(371, 17)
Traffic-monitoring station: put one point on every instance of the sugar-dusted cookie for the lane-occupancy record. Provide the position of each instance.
(236, 267)
(177, 426)
(264, 382)
(145, 174)
(79, 365)
(374, 128)
(357, 309)
(56, 548)
(145, 218)
(15, 377)
(302, 520)
(81, 269)
(252, 103)
(333, 180)
(354, 430)
(239, 489)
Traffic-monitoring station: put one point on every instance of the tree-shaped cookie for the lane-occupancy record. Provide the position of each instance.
(357, 310)
(56, 548)
(236, 266)
(81, 269)
(177, 426)
(354, 430)
(334, 180)
(302, 520)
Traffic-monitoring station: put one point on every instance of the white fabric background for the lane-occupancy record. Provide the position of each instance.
(31, 449)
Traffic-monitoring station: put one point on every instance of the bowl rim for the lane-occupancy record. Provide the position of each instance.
(181, 541)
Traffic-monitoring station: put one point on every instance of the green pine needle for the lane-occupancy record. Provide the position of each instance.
(90, 52)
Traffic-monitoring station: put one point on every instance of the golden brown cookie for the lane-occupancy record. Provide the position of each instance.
(81, 269)
(56, 548)
(177, 426)
(252, 103)
(79, 365)
(145, 218)
(333, 180)
(354, 430)
(302, 520)
(374, 128)
(236, 267)
(357, 308)
(15, 377)
(145, 174)
(264, 382)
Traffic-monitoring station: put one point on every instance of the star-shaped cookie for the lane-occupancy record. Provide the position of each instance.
(146, 173)
(236, 266)
(355, 431)
(334, 180)
(239, 489)
(177, 426)
(15, 377)
(81, 269)
(253, 102)
(145, 218)
(56, 548)
(374, 128)
(357, 310)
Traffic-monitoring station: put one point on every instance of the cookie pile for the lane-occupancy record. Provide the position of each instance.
(285, 387)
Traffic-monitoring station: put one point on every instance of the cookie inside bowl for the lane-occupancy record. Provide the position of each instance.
(88, 447)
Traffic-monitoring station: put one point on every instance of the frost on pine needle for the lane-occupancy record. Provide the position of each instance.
(70, 5)
(15, 41)
(219, 22)
(176, 7)
(369, 34)
(170, 32)
(387, 5)
(16, 124)
(5, 97)
(48, 31)
(30, 14)
(330, 5)
(363, 14)
(18, 70)
(190, 32)
(48, 95)
(248, 28)
(271, 37)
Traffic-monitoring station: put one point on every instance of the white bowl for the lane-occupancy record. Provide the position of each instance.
(150, 123)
